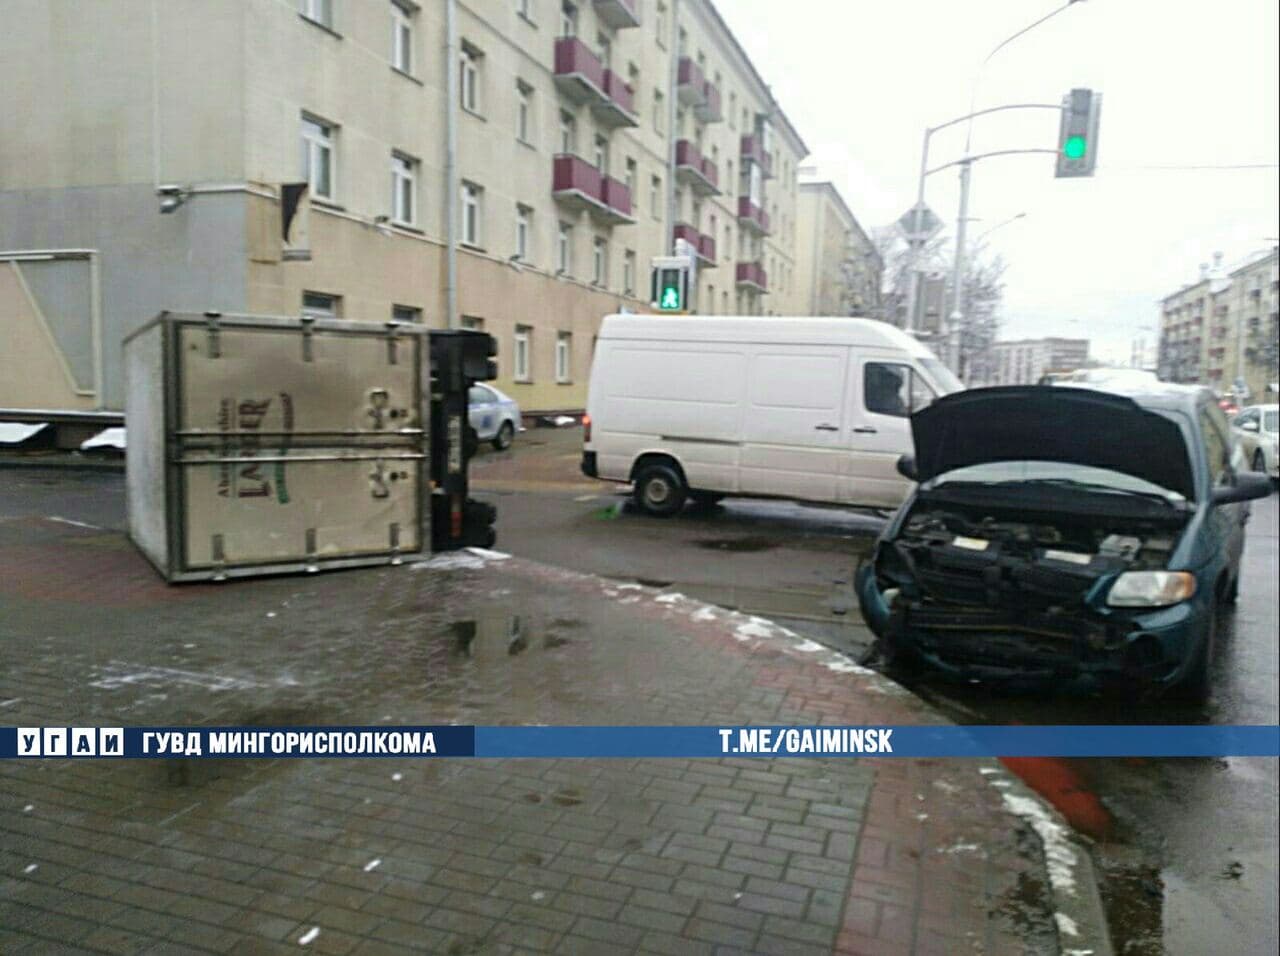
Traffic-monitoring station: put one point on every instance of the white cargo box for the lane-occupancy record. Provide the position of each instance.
(261, 445)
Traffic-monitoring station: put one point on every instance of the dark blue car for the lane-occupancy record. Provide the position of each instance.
(1059, 533)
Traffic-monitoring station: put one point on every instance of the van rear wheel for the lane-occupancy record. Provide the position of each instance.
(659, 491)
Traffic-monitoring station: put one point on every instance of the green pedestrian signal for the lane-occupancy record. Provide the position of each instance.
(670, 285)
(670, 298)
(1074, 147)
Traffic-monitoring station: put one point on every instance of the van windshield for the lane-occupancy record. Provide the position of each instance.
(942, 376)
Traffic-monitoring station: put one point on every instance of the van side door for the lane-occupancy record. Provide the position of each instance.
(793, 423)
(883, 391)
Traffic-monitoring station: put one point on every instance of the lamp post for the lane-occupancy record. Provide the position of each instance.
(957, 312)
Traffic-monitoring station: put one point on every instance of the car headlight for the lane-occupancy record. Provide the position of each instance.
(1151, 588)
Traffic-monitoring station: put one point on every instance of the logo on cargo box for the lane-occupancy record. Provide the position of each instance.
(240, 422)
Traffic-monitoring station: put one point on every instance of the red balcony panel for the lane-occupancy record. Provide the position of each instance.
(707, 249)
(617, 106)
(686, 232)
(576, 182)
(752, 275)
(616, 198)
(579, 74)
(687, 154)
(619, 14)
(752, 216)
(710, 173)
(752, 150)
(691, 85)
(691, 168)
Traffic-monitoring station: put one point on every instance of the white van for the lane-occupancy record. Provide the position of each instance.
(813, 409)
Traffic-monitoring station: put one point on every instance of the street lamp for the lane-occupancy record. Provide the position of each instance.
(1021, 215)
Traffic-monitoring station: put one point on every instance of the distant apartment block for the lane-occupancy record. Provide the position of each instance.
(1026, 361)
(838, 265)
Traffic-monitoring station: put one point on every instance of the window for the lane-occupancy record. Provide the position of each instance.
(564, 352)
(520, 354)
(402, 37)
(629, 272)
(894, 389)
(724, 302)
(733, 111)
(525, 9)
(320, 11)
(469, 84)
(1217, 447)
(711, 299)
(471, 214)
(480, 395)
(568, 20)
(564, 249)
(604, 50)
(321, 305)
(631, 176)
(602, 154)
(729, 180)
(568, 133)
(473, 322)
(599, 262)
(406, 313)
(523, 215)
(655, 197)
(317, 156)
(660, 23)
(524, 110)
(404, 189)
(659, 111)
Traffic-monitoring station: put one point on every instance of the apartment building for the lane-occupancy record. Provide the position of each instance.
(510, 165)
(839, 267)
(1221, 330)
(1025, 361)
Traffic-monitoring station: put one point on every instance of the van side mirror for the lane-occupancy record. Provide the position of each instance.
(907, 467)
(1247, 487)
(1249, 426)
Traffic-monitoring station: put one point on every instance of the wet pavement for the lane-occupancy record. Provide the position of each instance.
(1189, 847)
(347, 856)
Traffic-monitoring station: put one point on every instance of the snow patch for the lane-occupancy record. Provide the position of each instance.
(1066, 925)
(630, 587)
(31, 867)
(397, 777)
(809, 647)
(449, 561)
(119, 674)
(372, 865)
(704, 614)
(755, 627)
(309, 936)
(1059, 855)
(960, 848)
(489, 555)
(946, 787)
(673, 598)
(842, 665)
(114, 437)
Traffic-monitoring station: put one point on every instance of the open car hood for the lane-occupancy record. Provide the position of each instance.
(1038, 423)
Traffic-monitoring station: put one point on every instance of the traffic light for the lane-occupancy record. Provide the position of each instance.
(672, 279)
(1078, 134)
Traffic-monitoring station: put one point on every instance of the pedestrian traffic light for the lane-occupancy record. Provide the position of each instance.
(1078, 134)
(670, 288)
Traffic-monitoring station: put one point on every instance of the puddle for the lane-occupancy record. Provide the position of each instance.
(737, 544)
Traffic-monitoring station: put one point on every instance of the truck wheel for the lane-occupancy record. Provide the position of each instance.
(659, 491)
(502, 440)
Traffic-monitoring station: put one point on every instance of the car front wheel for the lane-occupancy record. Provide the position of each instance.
(659, 491)
(1195, 685)
(502, 440)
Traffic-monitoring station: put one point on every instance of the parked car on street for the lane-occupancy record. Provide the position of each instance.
(704, 407)
(1064, 532)
(494, 415)
(1255, 429)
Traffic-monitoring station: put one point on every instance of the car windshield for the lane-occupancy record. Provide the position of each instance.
(1065, 474)
(1270, 421)
(942, 376)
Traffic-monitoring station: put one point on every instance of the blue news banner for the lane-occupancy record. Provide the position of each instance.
(629, 741)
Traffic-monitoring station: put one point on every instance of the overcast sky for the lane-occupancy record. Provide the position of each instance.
(1183, 83)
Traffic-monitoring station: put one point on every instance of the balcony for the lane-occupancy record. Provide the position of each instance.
(703, 246)
(708, 111)
(753, 151)
(751, 277)
(691, 85)
(579, 73)
(616, 198)
(695, 170)
(618, 106)
(751, 216)
(619, 14)
(576, 183)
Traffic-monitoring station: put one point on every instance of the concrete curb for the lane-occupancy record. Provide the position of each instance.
(1077, 902)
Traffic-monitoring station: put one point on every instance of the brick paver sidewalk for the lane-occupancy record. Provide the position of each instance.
(480, 856)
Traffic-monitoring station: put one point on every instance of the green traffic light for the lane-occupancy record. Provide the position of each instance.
(670, 298)
(1074, 147)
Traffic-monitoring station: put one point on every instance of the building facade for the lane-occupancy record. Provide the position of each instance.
(1025, 361)
(839, 268)
(514, 173)
(1222, 330)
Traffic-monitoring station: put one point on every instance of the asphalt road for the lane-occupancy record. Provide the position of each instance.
(1189, 846)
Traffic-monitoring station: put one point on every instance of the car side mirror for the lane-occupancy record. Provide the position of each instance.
(1247, 487)
(1249, 426)
(907, 467)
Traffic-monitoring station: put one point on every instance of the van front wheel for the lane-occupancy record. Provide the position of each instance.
(659, 491)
